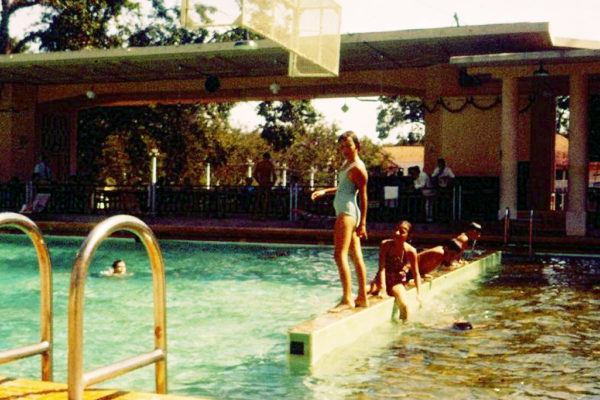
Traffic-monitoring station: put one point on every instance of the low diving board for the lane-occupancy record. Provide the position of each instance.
(26, 389)
(312, 339)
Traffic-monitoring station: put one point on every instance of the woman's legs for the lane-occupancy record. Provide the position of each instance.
(342, 237)
(361, 270)
(399, 292)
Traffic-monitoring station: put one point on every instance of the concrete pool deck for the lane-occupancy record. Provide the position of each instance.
(29, 389)
(310, 340)
(247, 229)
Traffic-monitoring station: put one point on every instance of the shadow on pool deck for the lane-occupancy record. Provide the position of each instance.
(285, 231)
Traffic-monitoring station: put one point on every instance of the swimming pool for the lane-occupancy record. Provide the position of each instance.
(230, 305)
(228, 310)
(536, 336)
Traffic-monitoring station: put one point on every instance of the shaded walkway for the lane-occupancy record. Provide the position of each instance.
(284, 231)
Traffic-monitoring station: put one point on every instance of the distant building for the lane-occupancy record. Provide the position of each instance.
(403, 157)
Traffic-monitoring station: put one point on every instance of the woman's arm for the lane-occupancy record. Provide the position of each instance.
(322, 192)
(414, 266)
(359, 178)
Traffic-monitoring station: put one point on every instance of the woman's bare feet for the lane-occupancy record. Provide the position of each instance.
(361, 302)
(342, 306)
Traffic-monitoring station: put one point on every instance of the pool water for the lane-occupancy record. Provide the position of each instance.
(229, 307)
(536, 336)
(536, 326)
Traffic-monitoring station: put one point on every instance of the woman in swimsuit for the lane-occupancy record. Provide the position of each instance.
(397, 265)
(351, 220)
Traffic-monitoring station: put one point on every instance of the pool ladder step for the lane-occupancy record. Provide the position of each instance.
(78, 381)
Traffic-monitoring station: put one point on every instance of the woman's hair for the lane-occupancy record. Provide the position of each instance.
(405, 222)
(351, 135)
(116, 263)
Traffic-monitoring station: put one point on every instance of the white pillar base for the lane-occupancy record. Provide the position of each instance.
(576, 223)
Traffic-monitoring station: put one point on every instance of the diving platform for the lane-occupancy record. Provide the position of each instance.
(312, 339)
(27, 389)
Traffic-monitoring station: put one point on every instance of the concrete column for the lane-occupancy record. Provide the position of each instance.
(578, 157)
(542, 149)
(508, 147)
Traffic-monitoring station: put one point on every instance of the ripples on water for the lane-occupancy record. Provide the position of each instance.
(536, 326)
(536, 336)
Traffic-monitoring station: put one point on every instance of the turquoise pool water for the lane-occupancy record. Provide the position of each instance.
(229, 306)
(228, 310)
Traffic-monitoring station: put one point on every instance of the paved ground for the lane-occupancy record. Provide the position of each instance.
(285, 231)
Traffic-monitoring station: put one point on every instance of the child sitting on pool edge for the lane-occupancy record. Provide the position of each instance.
(397, 265)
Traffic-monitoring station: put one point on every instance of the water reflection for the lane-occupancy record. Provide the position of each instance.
(536, 335)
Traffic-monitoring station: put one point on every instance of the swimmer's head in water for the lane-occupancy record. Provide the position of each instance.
(462, 326)
(119, 267)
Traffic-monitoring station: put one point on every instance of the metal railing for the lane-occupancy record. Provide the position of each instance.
(474, 198)
(44, 347)
(507, 229)
(77, 379)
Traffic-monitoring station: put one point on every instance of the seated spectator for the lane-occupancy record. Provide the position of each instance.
(442, 175)
(397, 265)
(423, 183)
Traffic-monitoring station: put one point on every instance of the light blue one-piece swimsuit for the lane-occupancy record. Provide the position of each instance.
(345, 200)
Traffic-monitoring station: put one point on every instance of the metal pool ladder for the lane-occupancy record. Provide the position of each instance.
(44, 347)
(77, 379)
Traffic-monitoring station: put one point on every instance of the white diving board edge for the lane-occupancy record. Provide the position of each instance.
(312, 339)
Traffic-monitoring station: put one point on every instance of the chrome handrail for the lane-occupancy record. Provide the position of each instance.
(77, 380)
(506, 225)
(44, 347)
(530, 233)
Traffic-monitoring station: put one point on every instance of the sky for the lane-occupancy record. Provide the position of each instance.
(573, 18)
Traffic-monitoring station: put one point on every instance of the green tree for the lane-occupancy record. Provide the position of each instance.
(9, 8)
(285, 121)
(184, 135)
(317, 149)
(66, 24)
(400, 110)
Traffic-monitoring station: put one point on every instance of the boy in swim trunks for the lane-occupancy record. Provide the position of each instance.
(398, 264)
(432, 258)
(472, 234)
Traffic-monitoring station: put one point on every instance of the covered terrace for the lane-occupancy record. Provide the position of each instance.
(486, 110)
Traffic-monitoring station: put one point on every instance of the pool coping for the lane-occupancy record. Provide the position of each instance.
(19, 388)
(310, 340)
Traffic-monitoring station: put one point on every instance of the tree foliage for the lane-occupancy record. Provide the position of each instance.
(115, 143)
(397, 111)
(285, 121)
(67, 24)
(186, 136)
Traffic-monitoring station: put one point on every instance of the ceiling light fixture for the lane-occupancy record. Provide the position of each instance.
(212, 83)
(541, 71)
(245, 43)
(274, 88)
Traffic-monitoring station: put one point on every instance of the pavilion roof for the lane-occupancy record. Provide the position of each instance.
(359, 51)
